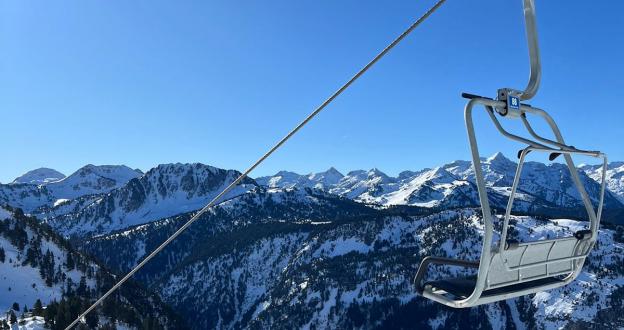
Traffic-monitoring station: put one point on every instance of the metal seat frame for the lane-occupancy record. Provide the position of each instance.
(511, 270)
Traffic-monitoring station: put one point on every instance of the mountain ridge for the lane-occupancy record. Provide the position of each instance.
(446, 186)
(541, 185)
(336, 251)
(87, 180)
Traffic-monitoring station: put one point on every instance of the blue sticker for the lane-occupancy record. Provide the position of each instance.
(513, 102)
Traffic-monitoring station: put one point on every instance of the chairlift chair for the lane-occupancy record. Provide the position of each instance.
(510, 268)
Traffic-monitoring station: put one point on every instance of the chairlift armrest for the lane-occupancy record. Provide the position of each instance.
(424, 265)
(474, 96)
(583, 234)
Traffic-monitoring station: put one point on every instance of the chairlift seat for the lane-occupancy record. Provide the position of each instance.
(510, 270)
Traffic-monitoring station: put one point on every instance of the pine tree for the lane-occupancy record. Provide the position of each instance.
(49, 314)
(38, 308)
(2, 255)
(15, 307)
(61, 319)
(69, 263)
(12, 317)
(47, 268)
(31, 257)
(68, 288)
(82, 287)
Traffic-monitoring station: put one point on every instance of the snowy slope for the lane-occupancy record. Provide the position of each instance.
(38, 264)
(40, 176)
(26, 196)
(364, 185)
(427, 188)
(22, 282)
(257, 206)
(256, 259)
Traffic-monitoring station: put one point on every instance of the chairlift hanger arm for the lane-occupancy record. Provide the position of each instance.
(513, 97)
(534, 54)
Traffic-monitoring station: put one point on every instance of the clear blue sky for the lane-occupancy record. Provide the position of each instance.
(148, 82)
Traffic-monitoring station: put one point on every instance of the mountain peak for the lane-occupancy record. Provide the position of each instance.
(439, 171)
(332, 170)
(376, 172)
(356, 173)
(92, 179)
(407, 174)
(330, 173)
(497, 158)
(41, 175)
(107, 171)
(179, 167)
(284, 173)
(325, 179)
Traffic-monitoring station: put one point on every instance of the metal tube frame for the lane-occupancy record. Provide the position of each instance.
(487, 254)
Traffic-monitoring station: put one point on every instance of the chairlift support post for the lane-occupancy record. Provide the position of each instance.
(511, 269)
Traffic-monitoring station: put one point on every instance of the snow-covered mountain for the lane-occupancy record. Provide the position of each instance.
(89, 179)
(113, 198)
(615, 176)
(314, 248)
(164, 191)
(40, 176)
(92, 179)
(285, 179)
(365, 186)
(328, 262)
(38, 268)
(452, 185)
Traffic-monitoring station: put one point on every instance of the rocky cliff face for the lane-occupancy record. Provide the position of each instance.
(164, 191)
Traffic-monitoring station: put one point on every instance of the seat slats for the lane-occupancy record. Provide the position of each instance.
(518, 266)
